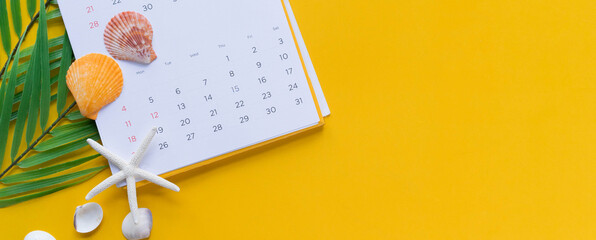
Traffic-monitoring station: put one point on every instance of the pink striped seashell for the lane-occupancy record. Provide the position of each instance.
(129, 36)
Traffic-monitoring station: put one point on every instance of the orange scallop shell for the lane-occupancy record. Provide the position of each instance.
(129, 36)
(95, 80)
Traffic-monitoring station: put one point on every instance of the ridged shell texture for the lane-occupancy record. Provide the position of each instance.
(95, 80)
(129, 36)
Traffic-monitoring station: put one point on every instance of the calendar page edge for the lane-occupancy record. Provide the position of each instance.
(251, 148)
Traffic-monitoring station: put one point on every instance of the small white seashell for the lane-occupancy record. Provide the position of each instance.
(87, 217)
(142, 229)
(39, 235)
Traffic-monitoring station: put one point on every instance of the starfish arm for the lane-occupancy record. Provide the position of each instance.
(156, 179)
(105, 184)
(136, 158)
(131, 189)
(113, 158)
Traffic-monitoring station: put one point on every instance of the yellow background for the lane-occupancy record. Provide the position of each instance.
(450, 120)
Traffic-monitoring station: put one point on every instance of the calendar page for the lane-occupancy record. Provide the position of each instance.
(228, 75)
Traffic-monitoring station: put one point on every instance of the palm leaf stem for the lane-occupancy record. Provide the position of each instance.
(14, 163)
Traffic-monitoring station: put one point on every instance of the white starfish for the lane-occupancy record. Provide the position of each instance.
(129, 171)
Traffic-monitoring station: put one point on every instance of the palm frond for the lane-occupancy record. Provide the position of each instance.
(27, 88)
(70, 128)
(31, 7)
(64, 63)
(54, 14)
(76, 115)
(4, 27)
(52, 154)
(18, 96)
(40, 184)
(15, 9)
(23, 112)
(57, 141)
(44, 57)
(12, 201)
(52, 42)
(17, 100)
(43, 172)
(4, 116)
(8, 90)
(33, 78)
(54, 65)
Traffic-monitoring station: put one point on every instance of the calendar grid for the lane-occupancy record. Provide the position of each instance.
(244, 84)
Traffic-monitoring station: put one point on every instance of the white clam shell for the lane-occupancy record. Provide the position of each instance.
(142, 229)
(87, 217)
(39, 235)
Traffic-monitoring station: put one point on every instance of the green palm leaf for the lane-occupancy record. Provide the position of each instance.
(4, 28)
(64, 63)
(7, 105)
(70, 128)
(21, 80)
(24, 106)
(39, 184)
(31, 7)
(60, 140)
(76, 115)
(49, 155)
(55, 55)
(21, 118)
(54, 14)
(32, 67)
(12, 201)
(53, 42)
(3, 116)
(33, 75)
(15, 8)
(42, 172)
(42, 38)
(19, 95)
(29, 79)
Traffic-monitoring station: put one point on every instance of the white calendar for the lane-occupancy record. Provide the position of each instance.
(229, 74)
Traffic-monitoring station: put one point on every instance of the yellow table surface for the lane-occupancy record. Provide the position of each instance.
(450, 120)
